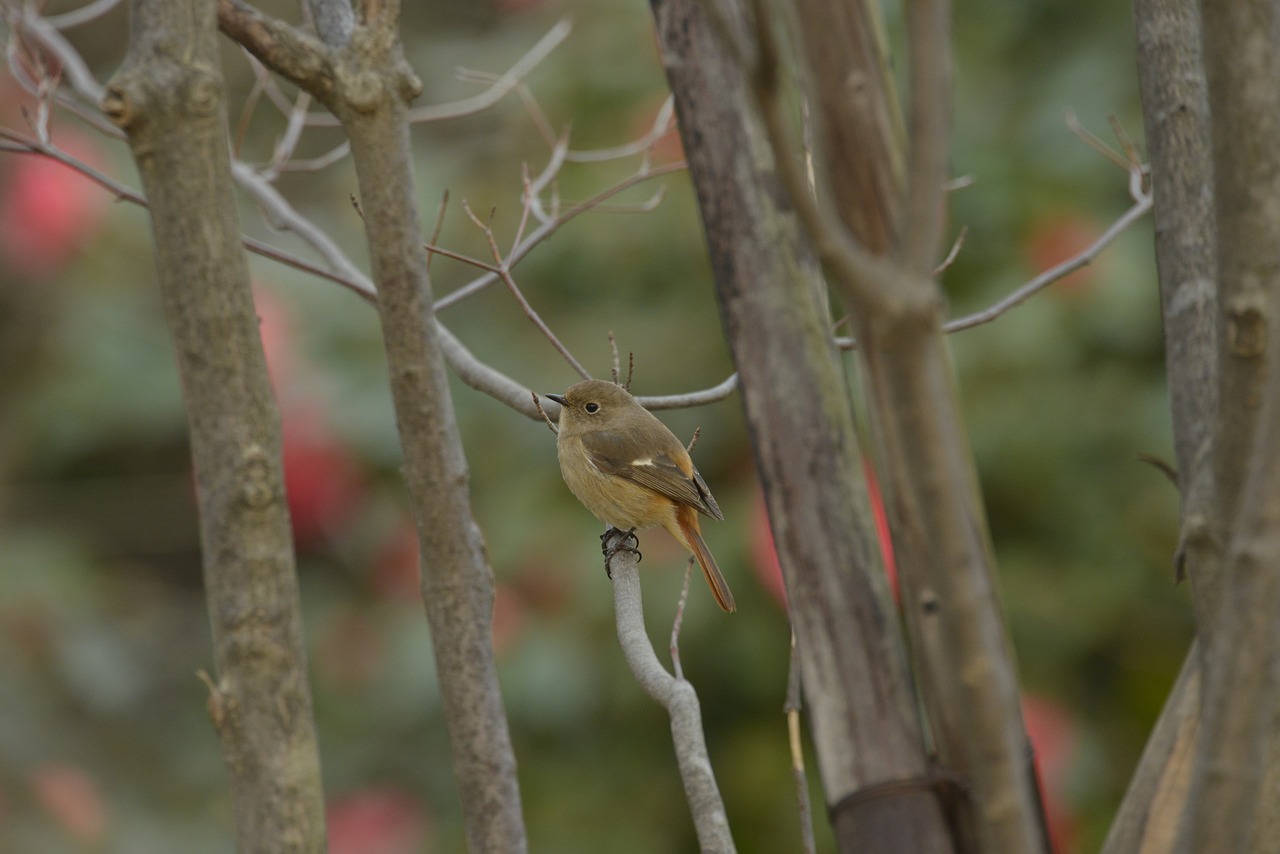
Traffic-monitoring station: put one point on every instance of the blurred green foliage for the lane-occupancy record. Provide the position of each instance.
(104, 739)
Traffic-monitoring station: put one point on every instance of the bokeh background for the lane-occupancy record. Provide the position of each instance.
(104, 739)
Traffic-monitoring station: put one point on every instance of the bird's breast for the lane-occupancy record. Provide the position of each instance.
(611, 498)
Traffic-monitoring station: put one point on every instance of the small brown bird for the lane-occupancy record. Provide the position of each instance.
(630, 471)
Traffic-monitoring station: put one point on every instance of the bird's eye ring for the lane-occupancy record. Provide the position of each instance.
(592, 407)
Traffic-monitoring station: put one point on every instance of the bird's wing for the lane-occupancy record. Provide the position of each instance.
(610, 454)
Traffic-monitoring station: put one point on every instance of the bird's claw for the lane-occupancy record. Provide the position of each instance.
(615, 540)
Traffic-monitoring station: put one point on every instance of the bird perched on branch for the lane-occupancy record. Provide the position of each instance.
(631, 472)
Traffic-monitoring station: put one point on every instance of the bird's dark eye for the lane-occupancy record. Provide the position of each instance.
(592, 407)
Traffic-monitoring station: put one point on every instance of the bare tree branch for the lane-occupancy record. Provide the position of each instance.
(1233, 794)
(680, 700)
(871, 276)
(500, 86)
(551, 226)
(1084, 258)
(964, 667)
(504, 272)
(773, 304)
(1176, 116)
(929, 133)
(290, 52)
(791, 709)
(30, 25)
(85, 14)
(342, 271)
(845, 49)
(168, 98)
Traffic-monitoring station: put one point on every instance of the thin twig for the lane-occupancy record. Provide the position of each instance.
(1139, 209)
(285, 216)
(537, 404)
(1126, 142)
(663, 124)
(486, 99)
(1160, 465)
(1092, 140)
(501, 86)
(674, 648)
(73, 67)
(616, 364)
(647, 206)
(697, 431)
(532, 193)
(528, 200)
(465, 259)
(25, 145)
(288, 141)
(791, 708)
(315, 164)
(435, 232)
(547, 229)
(246, 112)
(955, 250)
(83, 15)
(475, 373)
(504, 272)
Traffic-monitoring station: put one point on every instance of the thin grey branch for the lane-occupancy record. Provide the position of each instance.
(504, 273)
(323, 161)
(284, 215)
(29, 24)
(1137, 211)
(1056, 273)
(85, 14)
(680, 700)
(544, 231)
(501, 86)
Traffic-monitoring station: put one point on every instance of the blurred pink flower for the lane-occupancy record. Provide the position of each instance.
(381, 820)
(72, 799)
(47, 210)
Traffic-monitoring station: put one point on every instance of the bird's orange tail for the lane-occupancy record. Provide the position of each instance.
(690, 536)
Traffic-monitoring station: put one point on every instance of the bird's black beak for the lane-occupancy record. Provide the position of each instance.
(558, 398)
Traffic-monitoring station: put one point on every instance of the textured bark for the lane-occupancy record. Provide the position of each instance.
(856, 687)
(855, 109)
(964, 664)
(169, 99)
(364, 79)
(1232, 797)
(1151, 812)
(1176, 119)
(457, 581)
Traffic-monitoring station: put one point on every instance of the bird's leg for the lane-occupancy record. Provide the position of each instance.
(614, 540)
